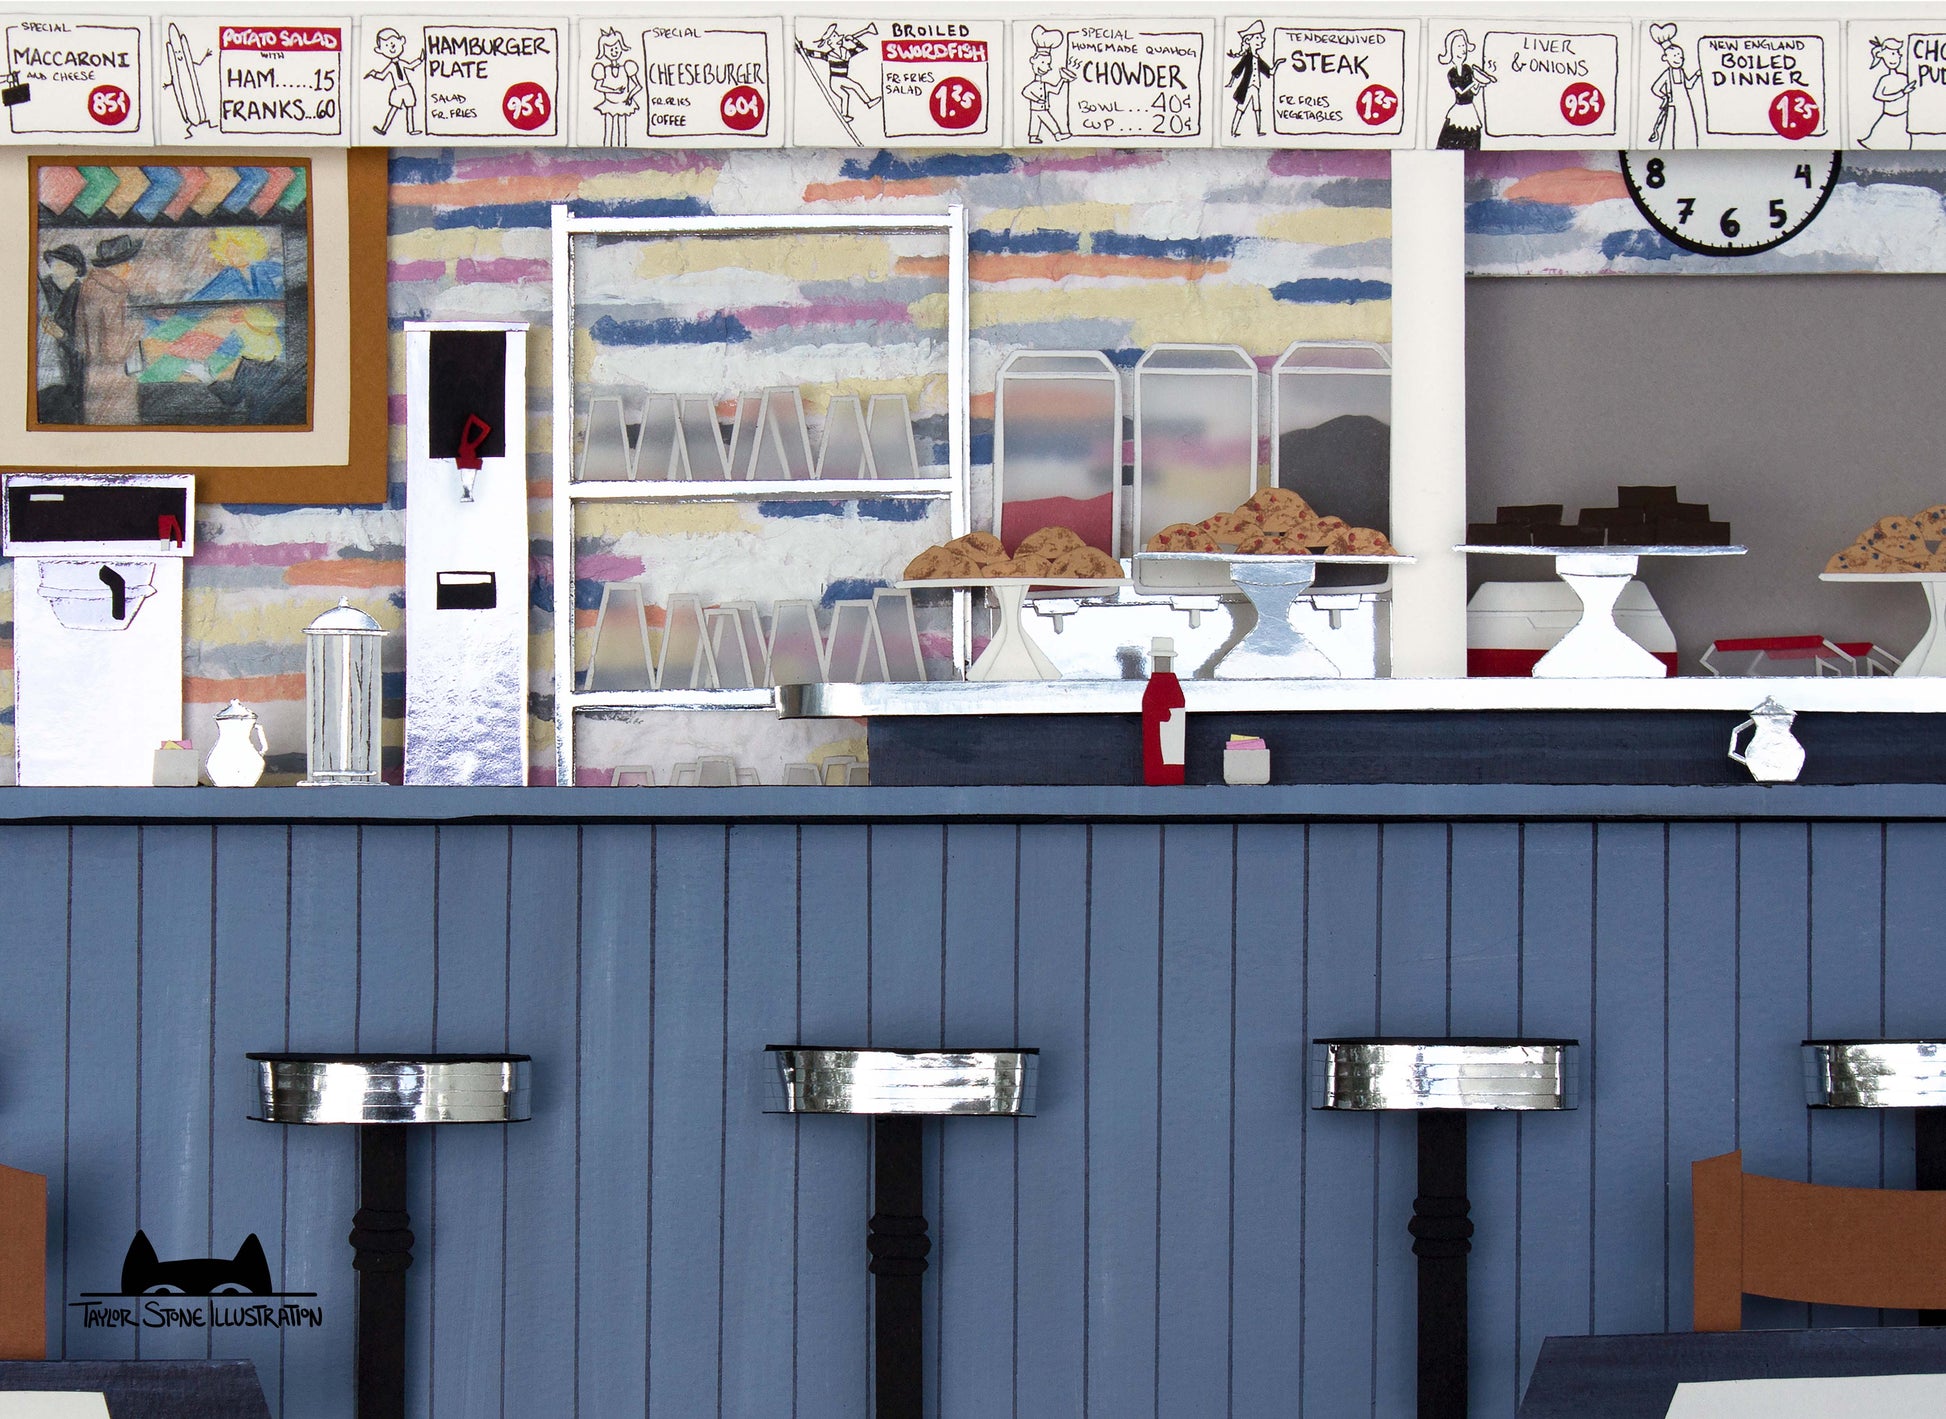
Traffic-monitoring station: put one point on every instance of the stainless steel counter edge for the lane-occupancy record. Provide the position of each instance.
(1803, 693)
(1024, 804)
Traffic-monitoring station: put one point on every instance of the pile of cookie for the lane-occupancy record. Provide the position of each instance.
(1050, 552)
(1898, 544)
(1274, 522)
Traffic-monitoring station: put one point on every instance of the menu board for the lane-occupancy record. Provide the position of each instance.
(1895, 83)
(1281, 84)
(1716, 84)
(642, 83)
(426, 82)
(78, 81)
(219, 81)
(900, 83)
(1117, 84)
(1527, 84)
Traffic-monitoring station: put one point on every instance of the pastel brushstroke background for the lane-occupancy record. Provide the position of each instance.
(1569, 214)
(1109, 251)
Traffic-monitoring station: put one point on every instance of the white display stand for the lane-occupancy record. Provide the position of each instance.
(1012, 654)
(1929, 656)
(1595, 648)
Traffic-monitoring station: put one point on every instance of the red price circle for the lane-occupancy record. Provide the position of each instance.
(1377, 105)
(108, 105)
(956, 103)
(742, 108)
(527, 106)
(1794, 114)
(1582, 104)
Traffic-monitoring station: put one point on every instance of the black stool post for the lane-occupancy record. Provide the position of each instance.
(1442, 1080)
(1888, 1074)
(380, 1095)
(898, 1243)
(381, 1244)
(898, 1089)
(1442, 1237)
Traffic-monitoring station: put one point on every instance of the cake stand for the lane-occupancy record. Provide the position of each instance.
(1929, 656)
(1012, 654)
(1275, 649)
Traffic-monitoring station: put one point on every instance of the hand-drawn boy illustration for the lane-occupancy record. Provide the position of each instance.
(618, 79)
(401, 97)
(1675, 115)
(1247, 77)
(1043, 95)
(1463, 121)
(836, 50)
(1893, 94)
(57, 390)
(110, 336)
(184, 82)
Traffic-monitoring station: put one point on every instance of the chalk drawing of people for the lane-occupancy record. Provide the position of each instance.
(1043, 94)
(1893, 94)
(618, 79)
(1462, 126)
(400, 97)
(1247, 77)
(58, 365)
(1675, 115)
(837, 50)
(110, 336)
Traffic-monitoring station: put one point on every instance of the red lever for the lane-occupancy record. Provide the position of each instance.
(470, 438)
(168, 528)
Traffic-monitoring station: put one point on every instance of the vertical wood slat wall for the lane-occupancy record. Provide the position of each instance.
(1175, 1234)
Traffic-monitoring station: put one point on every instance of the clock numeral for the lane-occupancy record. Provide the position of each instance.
(1803, 174)
(1686, 208)
(1728, 223)
(1652, 175)
(1778, 216)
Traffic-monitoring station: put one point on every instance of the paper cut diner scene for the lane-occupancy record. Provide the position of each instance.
(1164, 709)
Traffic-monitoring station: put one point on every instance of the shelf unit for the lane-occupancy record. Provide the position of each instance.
(566, 493)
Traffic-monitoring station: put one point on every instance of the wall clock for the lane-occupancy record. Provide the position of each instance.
(1724, 202)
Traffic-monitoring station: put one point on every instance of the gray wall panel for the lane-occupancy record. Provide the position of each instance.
(1175, 1233)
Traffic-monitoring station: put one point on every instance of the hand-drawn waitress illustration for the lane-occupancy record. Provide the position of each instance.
(1462, 126)
(618, 79)
(1893, 94)
(1247, 77)
(401, 96)
(1675, 115)
(1042, 94)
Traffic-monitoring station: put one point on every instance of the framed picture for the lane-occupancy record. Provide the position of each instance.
(198, 314)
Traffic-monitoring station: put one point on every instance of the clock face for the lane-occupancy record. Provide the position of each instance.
(1729, 202)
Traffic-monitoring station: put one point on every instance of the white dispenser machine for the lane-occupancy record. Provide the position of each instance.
(466, 553)
(98, 564)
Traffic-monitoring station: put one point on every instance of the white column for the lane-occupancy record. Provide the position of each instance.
(1429, 412)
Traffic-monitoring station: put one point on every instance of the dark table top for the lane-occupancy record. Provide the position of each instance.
(150, 1389)
(1635, 1376)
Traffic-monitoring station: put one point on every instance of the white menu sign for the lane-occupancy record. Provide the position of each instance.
(255, 77)
(1523, 84)
(1711, 84)
(895, 82)
(652, 83)
(1895, 83)
(425, 82)
(1121, 84)
(1330, 85)
(84, 81)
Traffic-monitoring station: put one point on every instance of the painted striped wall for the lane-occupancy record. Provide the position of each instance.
(1174, 1235)
(1110, 250)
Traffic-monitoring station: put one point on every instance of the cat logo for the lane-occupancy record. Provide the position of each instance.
(197, 1292)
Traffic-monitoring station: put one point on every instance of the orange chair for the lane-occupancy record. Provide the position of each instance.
(1844, 1246)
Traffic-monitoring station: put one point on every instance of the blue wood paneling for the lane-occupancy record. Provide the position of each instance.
(1175, 1232)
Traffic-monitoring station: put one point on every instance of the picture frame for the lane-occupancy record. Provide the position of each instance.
(331, 450)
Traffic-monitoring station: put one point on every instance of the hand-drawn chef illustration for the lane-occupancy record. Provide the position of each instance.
(618, 79)
(836, 50)
(1462, 126)
(401, 96)
(1046, 97)
(1673, 91)
(1247, 77)
(1893, 94)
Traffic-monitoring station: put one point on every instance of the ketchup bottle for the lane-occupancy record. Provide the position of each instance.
(1164, 722)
